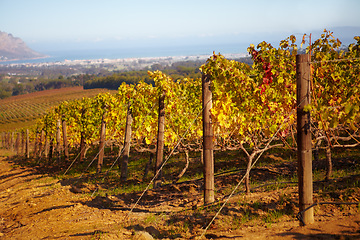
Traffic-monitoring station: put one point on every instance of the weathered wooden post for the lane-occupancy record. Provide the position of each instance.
(8, 141)
(47, 146)
(304, 138)
(17, 143)
(58, 140)
(82, 146)
(3, 139)
(23, 141)
(12, 142)
(27, 145)
(208, 152)
(51, 150)
(65, 140)
(127, 141)
(36, 144)
(41, 143)
(160, 140)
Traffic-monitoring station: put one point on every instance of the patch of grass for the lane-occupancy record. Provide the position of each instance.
(257, 205)
(236, 222)
(272, 187)
(356, 184)
(318, 175)
(246, 216)
(190, 178)
(153, 219)
(97, 235)
(283, 198)
(273, 216)
(130, 188)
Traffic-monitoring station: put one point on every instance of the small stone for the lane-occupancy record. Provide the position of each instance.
(153, 231)
(143, 236)
(139, 228)
(75, 189)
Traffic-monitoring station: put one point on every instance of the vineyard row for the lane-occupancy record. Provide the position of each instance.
(245, 107)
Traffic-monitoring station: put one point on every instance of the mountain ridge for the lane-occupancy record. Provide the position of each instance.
(14, 48)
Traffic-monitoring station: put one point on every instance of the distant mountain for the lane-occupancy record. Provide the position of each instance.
(13, 48)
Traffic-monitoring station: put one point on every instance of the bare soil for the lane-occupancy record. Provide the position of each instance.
(37, 206)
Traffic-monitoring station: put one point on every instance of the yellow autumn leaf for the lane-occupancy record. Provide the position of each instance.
(148, 141)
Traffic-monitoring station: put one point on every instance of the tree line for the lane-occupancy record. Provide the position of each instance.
(14, 86)
(179, 70)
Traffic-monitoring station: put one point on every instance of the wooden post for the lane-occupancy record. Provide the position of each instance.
(127, 141)
(3, 140)
(58, 140)
(17, 143)
(208, 152)
(41, 143)
(160, 140)
(304, 139)
(27, 145)
(82, 146)
(101, 144)
(51, 150)
(12, 142)
(46, 147)
(65, 141)
(23, 141)
(36, 144)
(8, 141)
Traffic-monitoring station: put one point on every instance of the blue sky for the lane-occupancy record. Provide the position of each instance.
(67, 24)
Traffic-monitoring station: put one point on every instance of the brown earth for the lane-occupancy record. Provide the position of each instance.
(37, 206)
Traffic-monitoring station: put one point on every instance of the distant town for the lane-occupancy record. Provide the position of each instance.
(97, 66)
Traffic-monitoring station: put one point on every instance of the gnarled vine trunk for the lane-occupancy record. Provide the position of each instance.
(328, 161)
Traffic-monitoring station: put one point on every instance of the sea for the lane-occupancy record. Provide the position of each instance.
(90, 54)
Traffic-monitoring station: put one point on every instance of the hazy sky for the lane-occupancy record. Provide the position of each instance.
(97, 23)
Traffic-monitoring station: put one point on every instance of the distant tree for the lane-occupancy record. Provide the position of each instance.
(18, 89)
(5, 90)
(4, 93)
(29, 88)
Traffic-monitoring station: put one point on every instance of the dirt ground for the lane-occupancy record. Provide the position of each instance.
(36, 206)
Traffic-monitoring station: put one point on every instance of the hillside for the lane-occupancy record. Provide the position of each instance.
(23, 110)
(13, 48)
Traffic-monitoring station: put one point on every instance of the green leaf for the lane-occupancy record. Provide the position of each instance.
(308, 108)
(348, 108)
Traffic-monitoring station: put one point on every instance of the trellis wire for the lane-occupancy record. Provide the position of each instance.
(247, 172)
(78, 156)
(337, 60)
(82, 174)
(163, 164)
(122, 150)
(93, 159)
